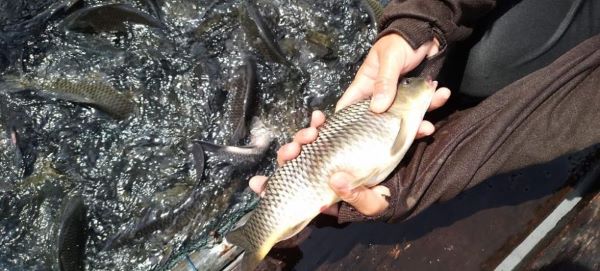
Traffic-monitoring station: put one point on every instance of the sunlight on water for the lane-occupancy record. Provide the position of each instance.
(52, 148)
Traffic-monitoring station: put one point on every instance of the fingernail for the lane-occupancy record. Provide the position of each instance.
(377, 101)
(446, 94)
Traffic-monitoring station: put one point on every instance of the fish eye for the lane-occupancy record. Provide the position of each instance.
(405, 81)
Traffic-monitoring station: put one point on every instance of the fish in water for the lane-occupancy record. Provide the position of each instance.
(154, 7)
(72, 236)
(173, 219)
(242, 92)
(96, 93)
(321, 44)
(374, 9)
(259, 34)
(154, 219)
(244, 156)
(365, 144)
(106, 18)
(199, 160)
(24, 140)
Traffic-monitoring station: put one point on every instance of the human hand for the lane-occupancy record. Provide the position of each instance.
(377, 78)
(368, 201)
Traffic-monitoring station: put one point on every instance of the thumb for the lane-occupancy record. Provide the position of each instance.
(367, 201)
(391, 63)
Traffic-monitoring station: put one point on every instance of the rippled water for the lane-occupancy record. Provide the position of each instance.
(52, 149)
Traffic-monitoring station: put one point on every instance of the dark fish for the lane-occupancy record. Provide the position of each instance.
(155, 219)
(214, 21)
(25, 142)
(154, 7)
(4, 55)
(172, 220)
(243, 156)
(374, 9)
(11, 157)
(242, 92)
(72, 236)
(259, 35)
(36, 22)
(321, 44)
(106, 18)
(199, 161)
(95, 93)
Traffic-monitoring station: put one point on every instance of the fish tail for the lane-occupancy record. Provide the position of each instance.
(242, 156)
(13, 84)
(210, 147)
(252, 257)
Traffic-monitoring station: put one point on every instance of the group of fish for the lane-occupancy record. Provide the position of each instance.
(354, 139)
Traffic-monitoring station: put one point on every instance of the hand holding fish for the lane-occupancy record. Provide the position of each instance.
(368, 201)
(388, 60)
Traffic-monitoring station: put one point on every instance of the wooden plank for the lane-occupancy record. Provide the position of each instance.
(577, 244)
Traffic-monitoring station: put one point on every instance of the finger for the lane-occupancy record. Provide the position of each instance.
(317, 118)
(288, 152)
(306, 135)
(366, 201)
(258, 184)
(332, 210)
(385, 86)
(434, 48)
(382, 190)
(362, 86)
(440, 97)
(425, 129)
(359, 90)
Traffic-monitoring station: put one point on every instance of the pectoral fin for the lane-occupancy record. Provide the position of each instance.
(401, 138)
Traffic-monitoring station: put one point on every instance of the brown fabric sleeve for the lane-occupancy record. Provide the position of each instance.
(551, 112)
(418, 21)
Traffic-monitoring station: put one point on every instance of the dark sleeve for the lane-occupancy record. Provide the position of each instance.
(549, 113)
(418, 21)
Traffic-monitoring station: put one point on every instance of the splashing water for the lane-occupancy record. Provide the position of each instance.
(52, 149)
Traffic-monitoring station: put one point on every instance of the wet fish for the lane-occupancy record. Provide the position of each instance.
(72, 236)
(154, 7)
(25, 142)
(106, 18)
(365, 144)
(218, 19)
(242, 92)
(199, 160)
(374, 9)
(260, 36)
(155, 219)
(321, 44)
(96, 93)
(244, 156)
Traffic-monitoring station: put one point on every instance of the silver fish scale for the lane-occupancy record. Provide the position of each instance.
(305, 179)
(96, 93)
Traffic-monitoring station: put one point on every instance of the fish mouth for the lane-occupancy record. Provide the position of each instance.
(431, 83)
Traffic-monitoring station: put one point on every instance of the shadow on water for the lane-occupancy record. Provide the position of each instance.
(491, 213)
